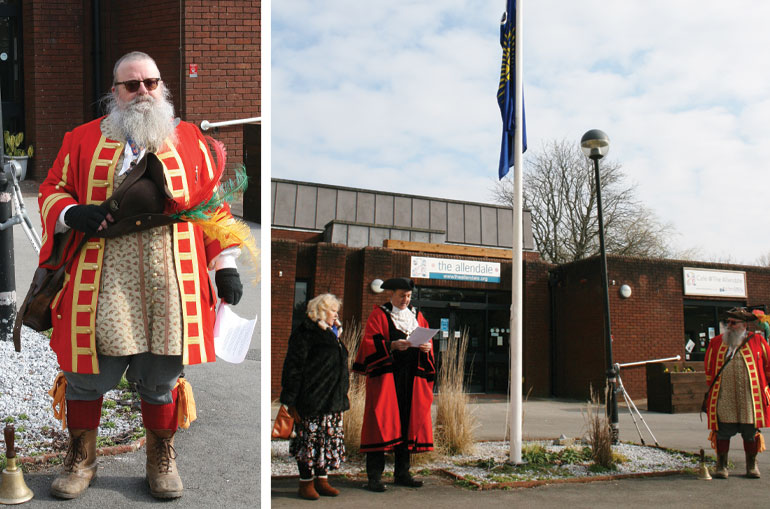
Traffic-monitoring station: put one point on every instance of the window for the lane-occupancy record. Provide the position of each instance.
(301, 293)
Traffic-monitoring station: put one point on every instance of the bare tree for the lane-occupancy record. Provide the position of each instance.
(560, 191)
(763, 260)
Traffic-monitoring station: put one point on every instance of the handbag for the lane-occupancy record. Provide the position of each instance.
(284, 424)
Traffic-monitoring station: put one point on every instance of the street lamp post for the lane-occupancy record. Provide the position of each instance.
(595, 145)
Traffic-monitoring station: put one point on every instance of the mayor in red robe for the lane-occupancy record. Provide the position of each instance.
(399, 386)
(737, 370)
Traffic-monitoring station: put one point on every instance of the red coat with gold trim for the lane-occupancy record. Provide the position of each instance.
(757, 361)
(83, 174)
(381, 429)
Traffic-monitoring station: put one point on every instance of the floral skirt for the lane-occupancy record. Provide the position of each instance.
(319, 442)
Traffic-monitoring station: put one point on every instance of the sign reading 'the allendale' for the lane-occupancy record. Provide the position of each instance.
(457, 270)
(714, 283)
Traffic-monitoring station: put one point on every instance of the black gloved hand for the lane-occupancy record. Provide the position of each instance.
(85, 218)
(229, 287)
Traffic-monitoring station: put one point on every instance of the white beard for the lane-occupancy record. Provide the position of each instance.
(144, 120)
(734, 338)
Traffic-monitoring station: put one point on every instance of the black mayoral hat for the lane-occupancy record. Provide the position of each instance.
(398, 283)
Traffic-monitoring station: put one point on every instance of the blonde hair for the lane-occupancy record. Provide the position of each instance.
(318, 306)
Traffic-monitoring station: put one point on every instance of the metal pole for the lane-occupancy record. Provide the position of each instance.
(7, 271)
(612, 400)
(517, 299)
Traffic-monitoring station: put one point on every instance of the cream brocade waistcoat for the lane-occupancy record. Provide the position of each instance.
(139, 307)
(735, 403)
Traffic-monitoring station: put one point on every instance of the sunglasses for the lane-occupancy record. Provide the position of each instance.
(732, 322)
(133, 85)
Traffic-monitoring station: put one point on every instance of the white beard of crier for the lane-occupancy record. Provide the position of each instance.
(733, 339)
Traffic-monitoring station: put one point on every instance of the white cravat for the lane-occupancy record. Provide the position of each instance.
(404, 320)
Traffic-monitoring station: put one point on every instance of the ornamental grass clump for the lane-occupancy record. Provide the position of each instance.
(599, 433)
(454, 425)
(352, 334)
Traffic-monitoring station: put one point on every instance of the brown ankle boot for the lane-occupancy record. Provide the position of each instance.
(752, 470)
(323, 487)
(307, 490)
(162, 475)
(79, 465)
(721, 470)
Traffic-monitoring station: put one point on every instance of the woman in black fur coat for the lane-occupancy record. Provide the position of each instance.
(315, 390)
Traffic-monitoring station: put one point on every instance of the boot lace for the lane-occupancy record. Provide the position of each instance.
(166, 453)
(76, 452)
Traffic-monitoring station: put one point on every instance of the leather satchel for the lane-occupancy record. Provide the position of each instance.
(284, 424)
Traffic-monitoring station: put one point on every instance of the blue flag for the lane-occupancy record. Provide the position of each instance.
(505, 93)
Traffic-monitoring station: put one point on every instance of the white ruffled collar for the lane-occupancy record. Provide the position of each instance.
(405, 319)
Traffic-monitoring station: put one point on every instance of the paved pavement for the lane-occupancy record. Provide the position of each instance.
(550, 419)
(218, 457)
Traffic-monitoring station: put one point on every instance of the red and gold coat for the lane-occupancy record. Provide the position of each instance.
(757, 361)
(83, 173)
(381, 429)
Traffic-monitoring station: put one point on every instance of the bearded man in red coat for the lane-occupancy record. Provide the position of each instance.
(737, 371)
(136, 299)
(399, 386)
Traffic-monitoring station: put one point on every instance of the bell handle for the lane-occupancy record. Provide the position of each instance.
(10, 433)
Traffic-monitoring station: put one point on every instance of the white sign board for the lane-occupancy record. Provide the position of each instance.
(457, 270)
(714, 283)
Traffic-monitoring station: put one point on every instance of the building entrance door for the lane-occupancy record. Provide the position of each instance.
(485, 320)
(701, 324)
(11, 69)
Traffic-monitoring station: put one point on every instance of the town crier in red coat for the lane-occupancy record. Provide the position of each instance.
(737, 371)
(137, 298)
(399, 386)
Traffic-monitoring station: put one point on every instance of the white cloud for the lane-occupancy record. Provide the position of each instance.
(400, 96)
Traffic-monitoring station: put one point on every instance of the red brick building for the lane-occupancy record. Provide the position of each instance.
(674, 307)
(57, 57)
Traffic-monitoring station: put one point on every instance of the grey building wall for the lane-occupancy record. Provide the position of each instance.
(360, 217)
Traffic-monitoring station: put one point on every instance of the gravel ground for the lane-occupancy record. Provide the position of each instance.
(639, 459)
(25, 379)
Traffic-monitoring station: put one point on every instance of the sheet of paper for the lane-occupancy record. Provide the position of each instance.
(232, 335)
(421, 335)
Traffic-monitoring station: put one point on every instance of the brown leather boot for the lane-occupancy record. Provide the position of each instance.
(721, 469)
(307, 490)
(79, 465)
(752, 470)
(162, 475)
(325, 489)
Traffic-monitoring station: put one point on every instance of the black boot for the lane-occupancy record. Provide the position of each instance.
(375, 464)
(401, 474)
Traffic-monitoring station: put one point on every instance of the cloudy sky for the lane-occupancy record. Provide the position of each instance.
(401, 96)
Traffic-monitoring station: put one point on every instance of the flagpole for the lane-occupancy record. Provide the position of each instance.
(517, 314)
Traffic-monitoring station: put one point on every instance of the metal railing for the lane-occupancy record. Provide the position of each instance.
(206, 125)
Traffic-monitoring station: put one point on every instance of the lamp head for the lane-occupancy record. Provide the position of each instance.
(595, 144)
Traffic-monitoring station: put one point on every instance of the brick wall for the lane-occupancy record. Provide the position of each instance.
(648, 325)
(348, 273)
(54, 76)
(223, 39)
(282, 277)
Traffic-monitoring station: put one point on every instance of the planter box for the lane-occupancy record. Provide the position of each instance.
(673, 390)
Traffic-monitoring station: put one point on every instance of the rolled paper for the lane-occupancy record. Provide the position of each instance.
(10, 450)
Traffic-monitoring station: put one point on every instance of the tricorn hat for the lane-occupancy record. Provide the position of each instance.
(398, 283)
(742, 314)
(139, 202)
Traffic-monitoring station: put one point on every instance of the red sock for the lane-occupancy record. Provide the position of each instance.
(84, 414)
(750, 446)
(723, 445)
(160, 416)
